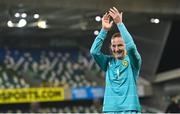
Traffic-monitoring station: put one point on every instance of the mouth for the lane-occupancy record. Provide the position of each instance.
(118, 54)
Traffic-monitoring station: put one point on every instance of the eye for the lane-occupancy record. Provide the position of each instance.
(113, 46)
(119, 45)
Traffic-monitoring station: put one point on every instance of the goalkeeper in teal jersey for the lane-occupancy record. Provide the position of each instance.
(122, 67)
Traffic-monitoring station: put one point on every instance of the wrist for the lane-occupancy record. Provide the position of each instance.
(103, 33)
(118, 23)
(105, 29)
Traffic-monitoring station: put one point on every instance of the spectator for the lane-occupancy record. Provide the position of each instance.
(173, 107)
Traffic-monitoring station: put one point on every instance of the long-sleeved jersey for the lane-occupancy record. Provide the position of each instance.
(121, 75)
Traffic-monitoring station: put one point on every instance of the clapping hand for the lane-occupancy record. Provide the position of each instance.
(116, 16)
(106, 23)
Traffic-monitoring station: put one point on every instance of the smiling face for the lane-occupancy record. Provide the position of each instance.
(118, 47)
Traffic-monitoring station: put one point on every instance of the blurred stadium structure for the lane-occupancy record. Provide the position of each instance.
(45, 44)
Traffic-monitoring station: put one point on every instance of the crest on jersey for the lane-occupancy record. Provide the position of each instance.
(125, 63)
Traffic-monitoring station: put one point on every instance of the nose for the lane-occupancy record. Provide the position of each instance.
(116, 49)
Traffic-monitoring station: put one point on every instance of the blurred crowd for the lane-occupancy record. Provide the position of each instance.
(174, 104)
(48, 68)
(34, 68)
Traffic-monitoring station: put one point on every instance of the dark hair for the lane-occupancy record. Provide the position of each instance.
(116, 35)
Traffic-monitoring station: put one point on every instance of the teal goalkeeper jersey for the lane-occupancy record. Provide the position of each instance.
(121, 75)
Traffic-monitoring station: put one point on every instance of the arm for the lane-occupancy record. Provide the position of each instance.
(100, 58)
(130, 47)
(132, 52)
(95, 51)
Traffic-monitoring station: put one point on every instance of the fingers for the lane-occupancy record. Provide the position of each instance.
(115, 15)
(111, 23)
(121, 14)
(115, 9)
(113, 12)
(105, 14)
(106, 17)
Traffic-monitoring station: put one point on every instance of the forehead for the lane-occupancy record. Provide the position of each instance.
(117, 40)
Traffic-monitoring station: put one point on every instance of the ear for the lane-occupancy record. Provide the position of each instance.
(125, 53)
(110, 48)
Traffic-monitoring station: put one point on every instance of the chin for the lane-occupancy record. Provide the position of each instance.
(120, 56)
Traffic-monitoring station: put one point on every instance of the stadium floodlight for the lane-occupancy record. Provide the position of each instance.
(42, 24)
(10, 24)
(17, 14)
(22, 23)
(36, 16)
(24, 15)
(155, 20)
(98, 18)
(96, 32)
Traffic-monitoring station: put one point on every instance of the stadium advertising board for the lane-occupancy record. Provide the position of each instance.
(25, 95)
(87, 93)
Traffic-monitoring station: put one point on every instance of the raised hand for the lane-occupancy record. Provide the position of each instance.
(106, 24)
(116, 16)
